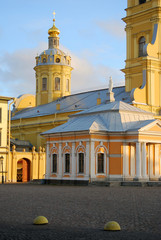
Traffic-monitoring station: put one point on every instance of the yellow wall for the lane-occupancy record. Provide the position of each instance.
(140, 21)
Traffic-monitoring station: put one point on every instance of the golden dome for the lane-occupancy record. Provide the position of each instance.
(54, 31)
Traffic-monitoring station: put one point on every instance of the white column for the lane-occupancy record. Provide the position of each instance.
(125, 161)
(132, 160)
(47, 175)
(92, 160)
(74, 159)
(138, 160)
(60, 161)
(156, 160)
(144, 160)
(87, 161)
(151, 161)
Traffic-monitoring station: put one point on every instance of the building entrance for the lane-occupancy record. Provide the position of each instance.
(23, 170)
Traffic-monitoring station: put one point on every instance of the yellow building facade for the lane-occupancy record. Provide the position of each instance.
(4, 130)
(143, 60)
(54, 103)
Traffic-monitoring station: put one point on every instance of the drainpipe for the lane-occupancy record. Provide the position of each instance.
(9, 135)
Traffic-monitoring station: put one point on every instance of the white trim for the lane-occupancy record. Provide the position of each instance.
(115, 176)
(73, 170)
(51, 157)
(47, 161)
(60, 162)
(144, 164)
(138, 160)
(106, 164)
(125, 160)
(70, 164)
(105, 161)
(92, 154)
(77, 158)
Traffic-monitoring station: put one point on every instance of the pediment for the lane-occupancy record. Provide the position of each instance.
(155, 127)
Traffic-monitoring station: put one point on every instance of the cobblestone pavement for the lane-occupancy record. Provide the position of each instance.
(79, 213)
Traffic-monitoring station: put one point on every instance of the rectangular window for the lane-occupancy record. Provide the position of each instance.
(57, 84)
(81, 162)
(54, 163)
(44, 84)
(67, 85)
(100, 163)
(67, 163)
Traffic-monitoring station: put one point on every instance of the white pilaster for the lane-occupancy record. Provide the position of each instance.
(48, 159)
(87, 160)
(151, 161)
(60, 161)
(144, 164)
(125, 160)
(138, 160)
(92, 160)
(74, 159)
(132, 160)
(156, 160)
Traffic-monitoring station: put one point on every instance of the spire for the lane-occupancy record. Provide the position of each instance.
(53, 35)
(110, 94)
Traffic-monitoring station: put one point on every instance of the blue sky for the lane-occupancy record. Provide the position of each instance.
(91, 32)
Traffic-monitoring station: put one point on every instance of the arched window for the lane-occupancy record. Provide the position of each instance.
(44, 60)
(142, 42)
(54, 163)
(44, 84)
(67, 85)
(81, 162)
(57, 84)
(142, 1)
(67, 163)
(100, 163)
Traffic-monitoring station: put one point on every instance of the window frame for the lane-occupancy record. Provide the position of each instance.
(79, 154)
(142, 42)
(142, 1)
(104, 160)
(56, 165)
(57, 88)
(65, 163)
(44, 84)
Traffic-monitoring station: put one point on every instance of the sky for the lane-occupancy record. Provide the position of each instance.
(91, 32)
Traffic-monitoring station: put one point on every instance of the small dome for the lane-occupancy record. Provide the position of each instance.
(112, 226)
(54, 31)
(40, 220)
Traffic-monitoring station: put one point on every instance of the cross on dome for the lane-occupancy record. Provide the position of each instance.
(54, 16)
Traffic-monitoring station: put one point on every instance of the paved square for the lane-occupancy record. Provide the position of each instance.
(79, 212)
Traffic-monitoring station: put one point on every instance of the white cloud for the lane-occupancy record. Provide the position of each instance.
(18, 77)
(114, 27)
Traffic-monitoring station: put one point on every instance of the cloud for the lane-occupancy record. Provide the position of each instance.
(87, 76)
(16, 72)
(114, 27)
(18, 77)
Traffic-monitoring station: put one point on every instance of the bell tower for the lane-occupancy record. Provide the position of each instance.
(53, 70)
(143, 53)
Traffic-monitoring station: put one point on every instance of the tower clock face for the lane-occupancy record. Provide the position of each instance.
(57, 60)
